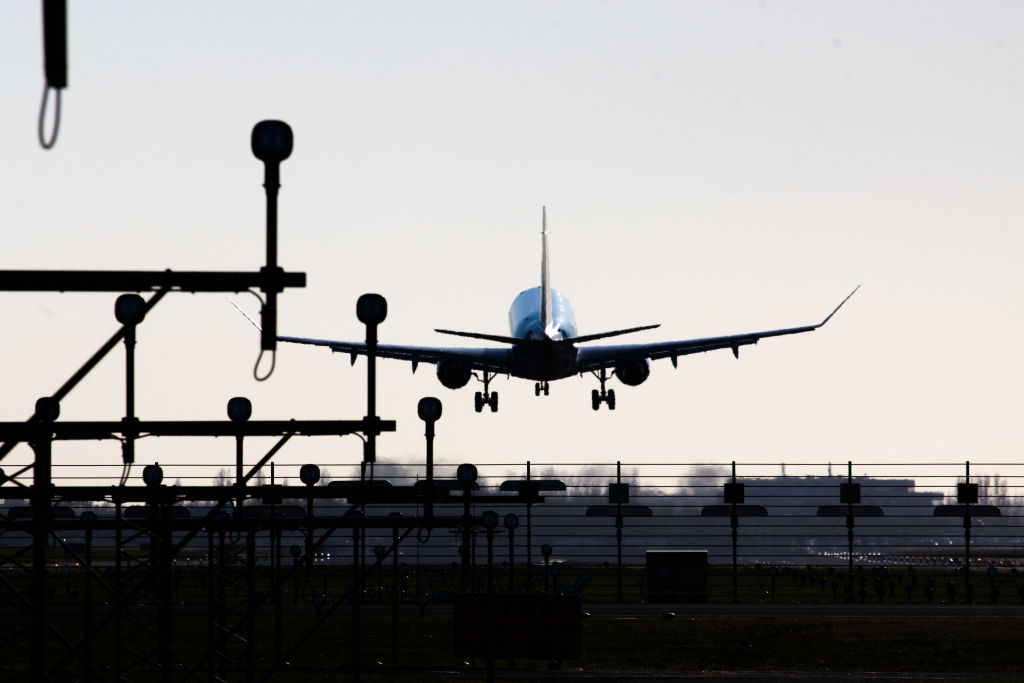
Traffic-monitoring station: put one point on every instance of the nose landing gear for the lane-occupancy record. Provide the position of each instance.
(603, 396)
(487, 397)
(541, 387)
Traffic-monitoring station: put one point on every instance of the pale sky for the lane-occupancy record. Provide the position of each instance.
(714, 167)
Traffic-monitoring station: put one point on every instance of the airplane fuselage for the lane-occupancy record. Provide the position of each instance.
(542, 362)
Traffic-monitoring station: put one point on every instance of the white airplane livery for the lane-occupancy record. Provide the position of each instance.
(544, 345)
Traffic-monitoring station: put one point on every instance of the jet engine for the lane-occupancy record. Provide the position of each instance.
(453, 375)
(633, 372)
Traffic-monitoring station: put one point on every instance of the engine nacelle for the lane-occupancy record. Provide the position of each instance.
(633, 372)
(453, 375)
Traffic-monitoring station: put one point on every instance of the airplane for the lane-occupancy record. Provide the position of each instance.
(544, 346)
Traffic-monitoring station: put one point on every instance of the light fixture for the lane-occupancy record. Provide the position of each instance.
(371, 309)
(429, 409)
(466, 474)
(490, 519)
(47, 409)
(152, 474)
(309, 474)
(239, 409)
(129, 309)
(272, 141)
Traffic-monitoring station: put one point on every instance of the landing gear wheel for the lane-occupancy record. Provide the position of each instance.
(536, 389)
(610, 400)
(547, 388)
(493, 402)
(595, 399)
(478, 402)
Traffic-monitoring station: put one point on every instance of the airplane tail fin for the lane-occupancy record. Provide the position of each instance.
(545, 282)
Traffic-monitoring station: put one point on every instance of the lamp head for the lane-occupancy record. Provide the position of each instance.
(272, 141)
(239, 409)
(309, 474)
(371, 309)
(490, 519)
(47, 409)
(152, 475)
(129, 309)
(429, 409)
(466, 474)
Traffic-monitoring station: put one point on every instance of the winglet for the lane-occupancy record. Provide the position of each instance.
(829, 316)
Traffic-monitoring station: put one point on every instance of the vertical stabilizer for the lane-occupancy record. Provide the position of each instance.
(545, 282)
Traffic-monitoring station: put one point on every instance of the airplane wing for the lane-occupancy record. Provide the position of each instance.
(489, 359)
(596, 357)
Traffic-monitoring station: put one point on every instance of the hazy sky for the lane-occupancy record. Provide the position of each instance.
(714, 167)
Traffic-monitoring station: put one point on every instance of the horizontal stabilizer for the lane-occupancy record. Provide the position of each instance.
(603, 335)
(570, 340)
(487, 337)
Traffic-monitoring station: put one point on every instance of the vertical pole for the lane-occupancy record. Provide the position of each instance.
(428, 503)
(529, 533)
(211, 633)
(118, 511)
(309, 534)
(734, 522)
(465, 536)
(130, 421)
(271, 184)
(160, 547)
(275, 534)
(370, 454)
(489, 603)
(250, 605)
(357, 589)
(849, 530)
(89, 664)
(222, 604)
(40, 530)
(394, 594)
(239, 474)
(618, 532)
(511, 560)
(967, 542)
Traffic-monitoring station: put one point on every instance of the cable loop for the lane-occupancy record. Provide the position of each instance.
(42, 117)
(256, 368)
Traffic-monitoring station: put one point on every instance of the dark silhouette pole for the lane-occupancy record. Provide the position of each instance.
(89, 517)
(511, 521)
(47, 410)
(395, 518)
(618, 535)
(545, 550)
(55, 60)
(429, 410)
(849, 495)
(967, 494)
(466, 474)
(357, 598)
(371, 309)
(239, 412)
(490, 520)
(271, 143)
(130, 310)
(160, 563)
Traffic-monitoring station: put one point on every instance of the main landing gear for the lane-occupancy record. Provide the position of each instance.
(541, 388)
(487, 397)
(597, 398)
